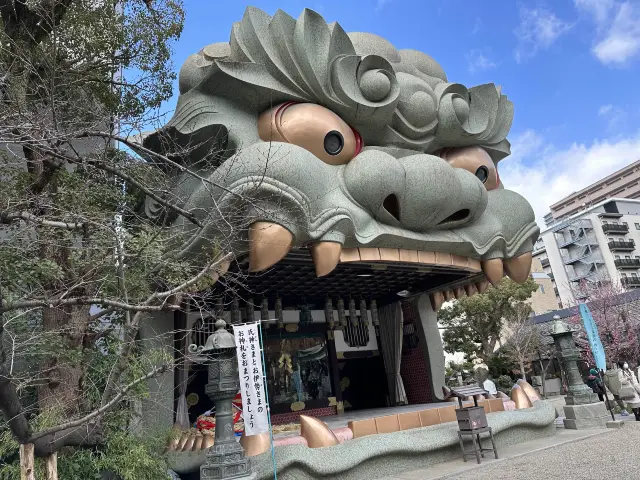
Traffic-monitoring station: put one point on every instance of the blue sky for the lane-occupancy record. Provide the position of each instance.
(571, 67)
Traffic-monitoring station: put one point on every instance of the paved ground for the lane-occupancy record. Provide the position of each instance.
(570, 455)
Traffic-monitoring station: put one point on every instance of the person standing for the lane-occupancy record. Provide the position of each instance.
(612, 382)
(629, 388)
(595, 384)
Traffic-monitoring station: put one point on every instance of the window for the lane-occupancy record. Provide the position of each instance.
(634, 275)
(627, 257)
(356, 335)
(542, 288)
(623, 275)
(617, 257)
(625, 224)
(637, 226)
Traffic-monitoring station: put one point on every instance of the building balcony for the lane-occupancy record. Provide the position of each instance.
(584, 257)
(545, 262)
(631, 281)
(622, 245)
(576, 277)
(569, 259)
(615, 228)
(579, 240)
(564, 243)
(574, 225)
(627, 262)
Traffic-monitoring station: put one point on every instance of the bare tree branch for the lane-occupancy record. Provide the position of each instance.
(57, 302)
(8, 218)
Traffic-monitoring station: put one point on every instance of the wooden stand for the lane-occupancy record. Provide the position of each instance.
(478, 451)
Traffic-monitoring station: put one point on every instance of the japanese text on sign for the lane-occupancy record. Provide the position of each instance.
(594, 338)
(254, 405)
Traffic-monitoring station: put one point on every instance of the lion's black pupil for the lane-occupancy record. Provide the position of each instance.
(333, 143)
(482, 173)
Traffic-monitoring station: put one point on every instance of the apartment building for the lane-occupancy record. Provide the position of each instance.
(625, 183)
(597, 243)
(544, 299)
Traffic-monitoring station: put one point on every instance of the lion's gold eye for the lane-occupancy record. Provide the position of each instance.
(477, 161)
(312, 127)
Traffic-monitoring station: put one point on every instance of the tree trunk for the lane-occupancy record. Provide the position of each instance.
(51, 465)
(63, 387)
(27, 462)
(10, 406)
(522, 372)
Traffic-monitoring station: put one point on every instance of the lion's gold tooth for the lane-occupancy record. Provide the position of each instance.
(269, 243)
(493, 270)
(437, 299)
(482, 286)
(518, 268)
(325, 255)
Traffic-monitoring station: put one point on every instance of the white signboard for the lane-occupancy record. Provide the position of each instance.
(254, 405)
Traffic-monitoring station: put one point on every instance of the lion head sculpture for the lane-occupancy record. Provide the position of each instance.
(334, 141)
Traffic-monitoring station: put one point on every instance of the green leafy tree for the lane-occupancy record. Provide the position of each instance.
(82, 260)
(474, 325)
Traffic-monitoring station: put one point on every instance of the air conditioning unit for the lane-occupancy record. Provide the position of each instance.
(537, 381)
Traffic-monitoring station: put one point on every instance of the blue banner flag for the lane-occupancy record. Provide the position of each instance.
(594, 337)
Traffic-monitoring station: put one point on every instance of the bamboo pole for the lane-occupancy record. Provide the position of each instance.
(51, 466)
(27, 462)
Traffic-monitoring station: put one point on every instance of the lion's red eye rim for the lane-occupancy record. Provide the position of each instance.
(359, 142)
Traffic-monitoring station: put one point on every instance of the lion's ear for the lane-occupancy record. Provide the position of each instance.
(205, 146)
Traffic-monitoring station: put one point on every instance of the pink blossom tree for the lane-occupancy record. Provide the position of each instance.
(618, 321)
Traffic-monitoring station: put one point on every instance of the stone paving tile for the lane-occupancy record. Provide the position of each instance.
(612, 455)
(493, 469)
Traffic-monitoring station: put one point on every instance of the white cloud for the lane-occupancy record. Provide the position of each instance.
(476, 26)
(604, 109)
(615, 116)
(599, 9)
(539, 28)
(380, 4)
(544, 174)
(477, 61)
(617, 29)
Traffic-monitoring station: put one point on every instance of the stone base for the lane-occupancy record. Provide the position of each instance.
(594, 415)
(226, 461)
(582, 398)
(617, 424)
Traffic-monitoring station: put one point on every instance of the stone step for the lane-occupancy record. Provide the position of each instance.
(591, 410)
(581, 423)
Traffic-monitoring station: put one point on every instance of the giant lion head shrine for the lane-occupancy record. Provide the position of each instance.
(358, 188)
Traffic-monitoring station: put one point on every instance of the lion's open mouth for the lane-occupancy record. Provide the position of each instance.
(383, 274)
(272, 269)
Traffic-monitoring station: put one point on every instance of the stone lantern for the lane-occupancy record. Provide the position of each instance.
(225, 459)
(583, 408)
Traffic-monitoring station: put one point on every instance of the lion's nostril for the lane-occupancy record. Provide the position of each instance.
(457, 216)
(392, 206)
